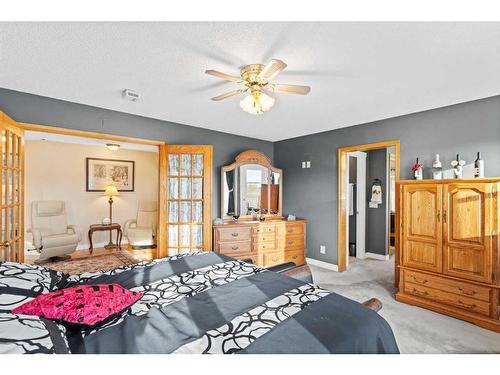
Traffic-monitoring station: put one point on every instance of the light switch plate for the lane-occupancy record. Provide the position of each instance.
(322, 249)
(308, 164)
(304, 165)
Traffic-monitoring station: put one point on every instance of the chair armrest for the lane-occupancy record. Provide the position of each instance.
(131, 223)
(37, 238)
(75, 230)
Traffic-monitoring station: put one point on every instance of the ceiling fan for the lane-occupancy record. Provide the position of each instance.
(256, 77)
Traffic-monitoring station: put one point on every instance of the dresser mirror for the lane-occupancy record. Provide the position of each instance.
(251, 187)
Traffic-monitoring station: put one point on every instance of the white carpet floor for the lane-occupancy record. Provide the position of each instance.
(417, 330)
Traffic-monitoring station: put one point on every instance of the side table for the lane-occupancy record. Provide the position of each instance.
(106, 227)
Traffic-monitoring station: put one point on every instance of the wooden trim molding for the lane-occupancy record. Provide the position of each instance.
(342, 195)
(87, 134)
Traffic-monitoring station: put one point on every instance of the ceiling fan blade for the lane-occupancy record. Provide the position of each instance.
(272, 69)
(225, 76)
(228, 94)
(290, 89)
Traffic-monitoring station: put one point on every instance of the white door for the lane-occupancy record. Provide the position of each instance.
(360, 203)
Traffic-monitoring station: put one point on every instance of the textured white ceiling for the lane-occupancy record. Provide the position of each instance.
(359, 72)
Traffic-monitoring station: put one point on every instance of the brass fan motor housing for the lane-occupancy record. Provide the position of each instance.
(250, 73)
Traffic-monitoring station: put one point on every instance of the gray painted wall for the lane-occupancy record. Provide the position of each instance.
(41, 110)
(312, 193)
(376, 218)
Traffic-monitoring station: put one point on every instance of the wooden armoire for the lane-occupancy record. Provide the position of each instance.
(448, 247)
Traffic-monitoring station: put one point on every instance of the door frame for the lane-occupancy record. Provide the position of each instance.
(342, 194)
(112, 137)
(360, 203)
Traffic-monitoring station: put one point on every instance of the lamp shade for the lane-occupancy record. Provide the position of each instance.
(111, 191)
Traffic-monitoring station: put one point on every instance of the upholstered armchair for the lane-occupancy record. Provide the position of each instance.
(52, 236)
(141, 231)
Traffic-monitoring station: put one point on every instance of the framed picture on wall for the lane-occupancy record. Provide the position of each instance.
(104, 172)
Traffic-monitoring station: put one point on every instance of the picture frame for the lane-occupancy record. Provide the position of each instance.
(103, 172)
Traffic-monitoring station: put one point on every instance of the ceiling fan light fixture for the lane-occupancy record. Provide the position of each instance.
(257, 103)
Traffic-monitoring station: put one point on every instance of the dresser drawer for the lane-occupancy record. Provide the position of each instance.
(264, 229)
(273, 259)
(234, 234)
(266, 237)
(289, 229)
(236, 247)
(264, 246)
(448, 285)
(293, 242)
(436, 295)
(295, 256)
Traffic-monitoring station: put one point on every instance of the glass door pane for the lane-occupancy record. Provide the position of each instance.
(11, 194)
(189, 176)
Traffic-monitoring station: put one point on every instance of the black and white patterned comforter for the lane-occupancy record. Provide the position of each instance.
(210, 303)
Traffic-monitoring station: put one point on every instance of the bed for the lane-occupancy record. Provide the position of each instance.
(194, 303)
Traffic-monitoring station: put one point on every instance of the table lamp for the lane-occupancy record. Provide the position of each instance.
(111, 191)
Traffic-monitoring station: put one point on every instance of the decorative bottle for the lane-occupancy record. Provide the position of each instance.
(437, 169)
(418, 170)
(479, 166)
(458, 167)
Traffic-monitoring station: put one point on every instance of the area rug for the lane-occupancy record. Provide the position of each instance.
(96, 263)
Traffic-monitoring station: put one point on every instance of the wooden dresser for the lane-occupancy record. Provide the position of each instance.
(266, 243)
(448, 257)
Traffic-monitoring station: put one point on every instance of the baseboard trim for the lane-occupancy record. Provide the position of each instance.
(376, 256)
(81, 246)
(319, 263)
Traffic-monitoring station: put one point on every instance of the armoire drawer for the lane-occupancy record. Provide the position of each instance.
(448, 285)
(295, 256)
(440, 296)
(273, 259)
(236, 247)
(234, 234)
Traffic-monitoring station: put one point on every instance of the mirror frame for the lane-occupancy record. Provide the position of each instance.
(251, 157)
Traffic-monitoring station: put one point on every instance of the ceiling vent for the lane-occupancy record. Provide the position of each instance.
(131, 95)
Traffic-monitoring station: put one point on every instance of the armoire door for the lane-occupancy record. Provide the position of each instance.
(12, 193)
(421, 240)
(186, 210)
(467, 230)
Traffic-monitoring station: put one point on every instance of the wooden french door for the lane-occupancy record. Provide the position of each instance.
(12, 193)
(185, 207)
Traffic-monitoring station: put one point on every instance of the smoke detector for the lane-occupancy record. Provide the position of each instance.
(131, 95)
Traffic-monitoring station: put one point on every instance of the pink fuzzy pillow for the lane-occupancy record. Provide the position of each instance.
(83, 305)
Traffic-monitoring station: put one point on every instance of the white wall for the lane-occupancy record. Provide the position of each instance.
(56, 171)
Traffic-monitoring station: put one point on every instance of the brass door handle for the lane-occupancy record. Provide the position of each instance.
(444, 216)
(5, 244)
(418, 292)
(235, 247)
(234, 234)
(295, 257)
(290, 242)
(439, 215)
